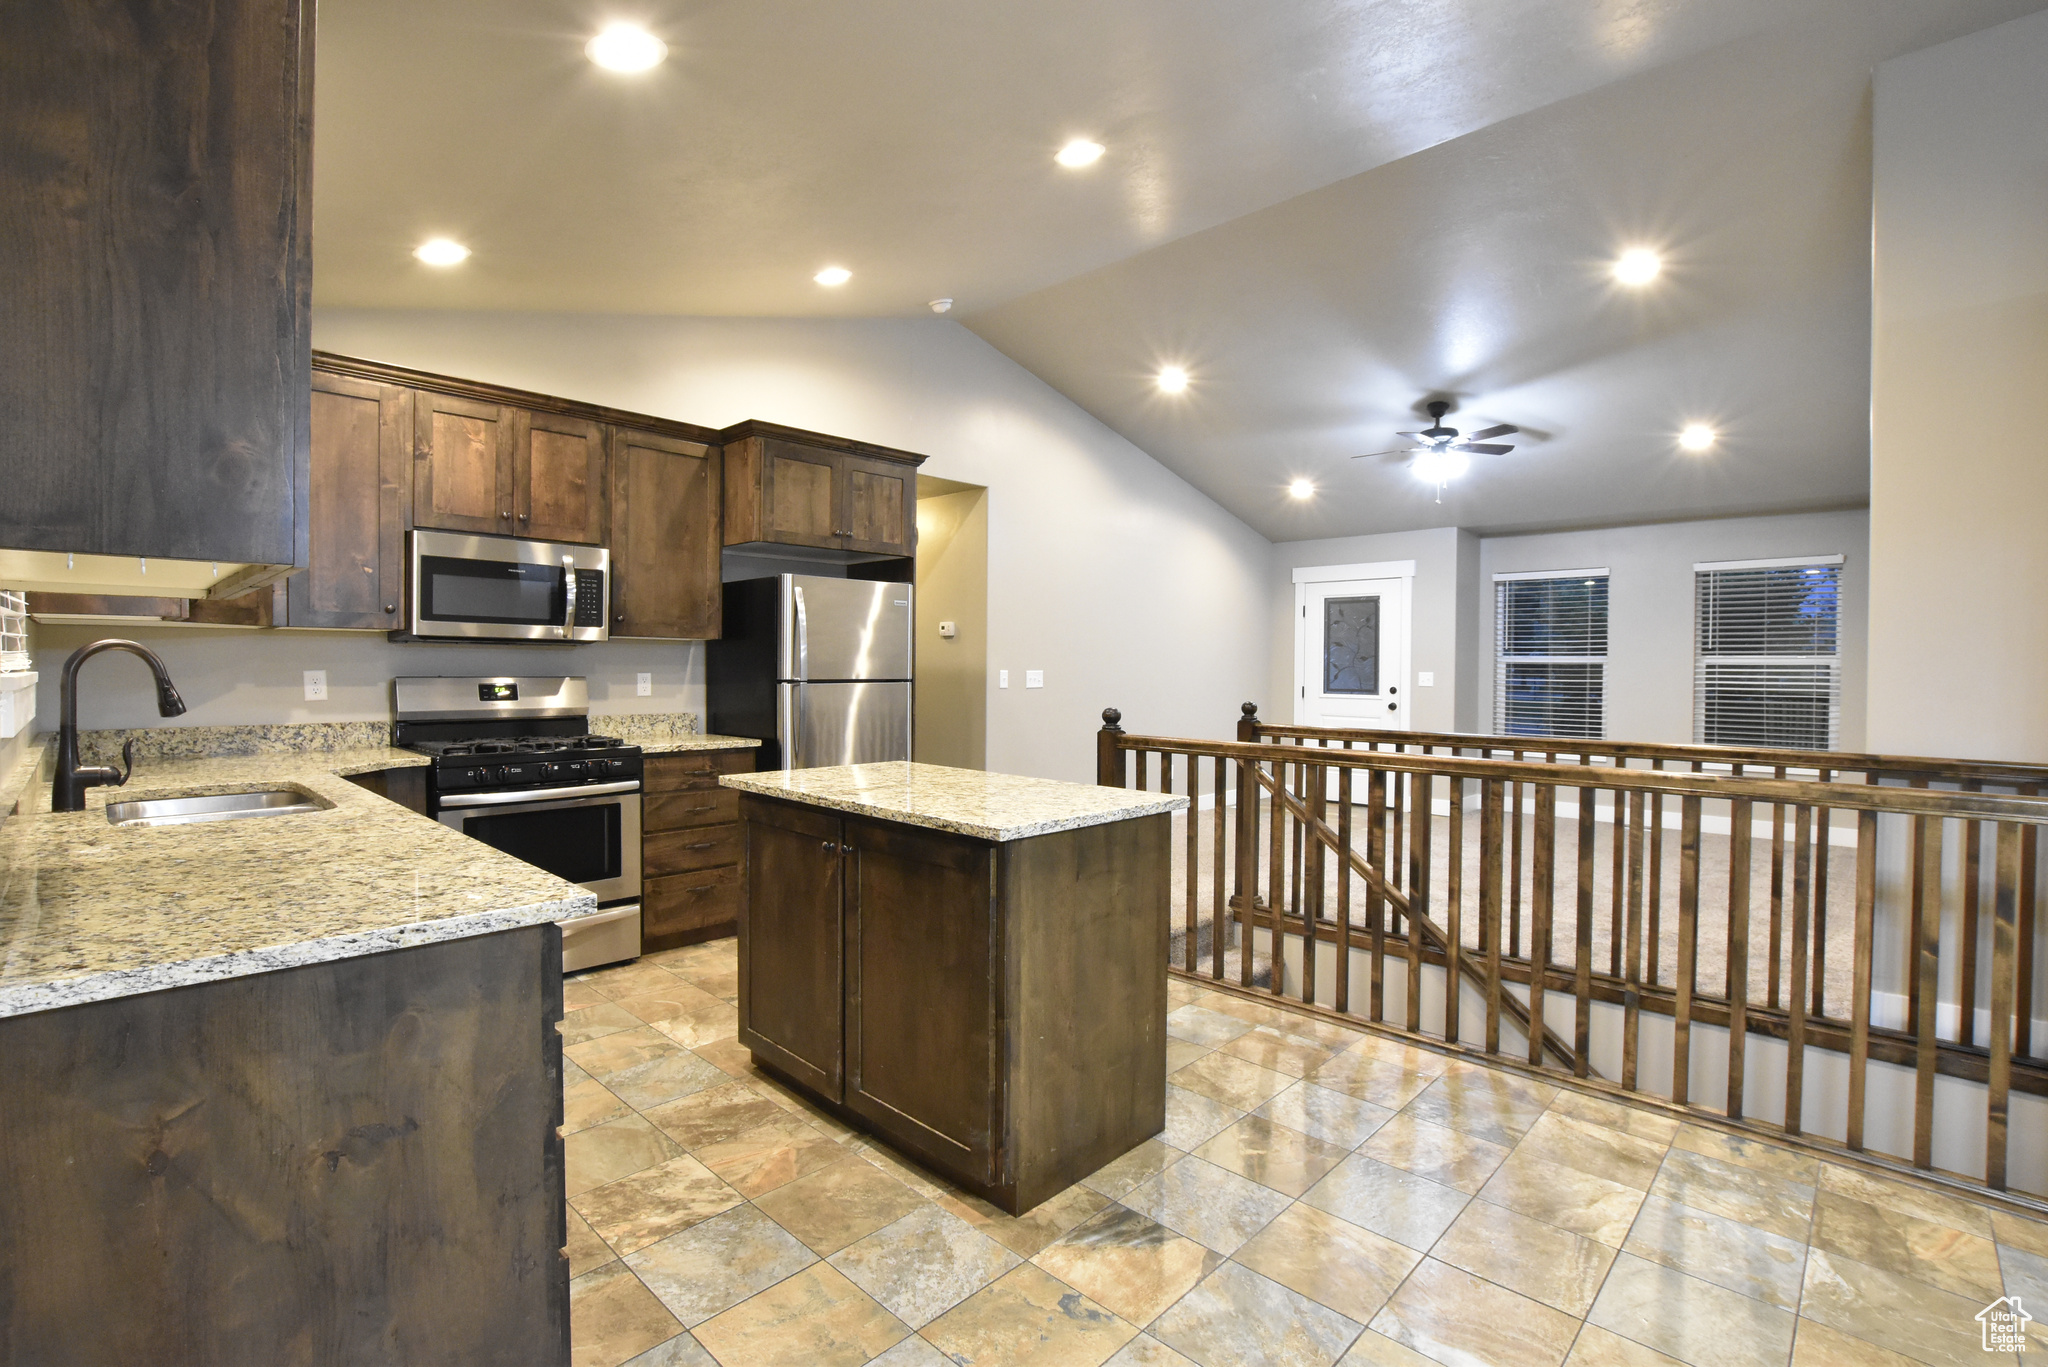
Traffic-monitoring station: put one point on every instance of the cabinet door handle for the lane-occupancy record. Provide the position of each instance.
(523, 518)
(831, 845)
(701, 845)
(391, 607)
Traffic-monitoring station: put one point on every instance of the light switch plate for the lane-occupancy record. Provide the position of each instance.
(643, 685)
(1425, 680)
(1034, 678)
(1002, 678)
(316, 685)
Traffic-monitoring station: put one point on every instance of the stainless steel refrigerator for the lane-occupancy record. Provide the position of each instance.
(817, 668)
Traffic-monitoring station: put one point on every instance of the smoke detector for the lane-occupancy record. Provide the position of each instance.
(941, 305)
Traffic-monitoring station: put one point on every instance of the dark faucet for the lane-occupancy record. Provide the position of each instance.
(67, 792)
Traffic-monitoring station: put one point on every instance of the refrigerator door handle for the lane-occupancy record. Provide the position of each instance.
(803, 634)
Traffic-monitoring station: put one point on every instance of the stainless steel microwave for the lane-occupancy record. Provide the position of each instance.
(500, 587)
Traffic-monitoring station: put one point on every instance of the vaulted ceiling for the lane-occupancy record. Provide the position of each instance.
(1327, 212)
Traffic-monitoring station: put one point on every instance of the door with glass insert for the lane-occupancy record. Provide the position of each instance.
(1352, 636)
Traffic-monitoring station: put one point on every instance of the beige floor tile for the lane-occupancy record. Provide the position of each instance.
(1565, 1197)
(676, 999)
(1617, 1115)
(1180, 1053)
(770, 1155)
(1192, 1119)
(618, 1148)
(612, 1054)
(722, 981)
(1211, 1206)
(1450, 1315)
(1907, 1245)
(1370, 1075)
(1597, 1347)
(1691, 1320)
(1752, 1196)
(664, 1078)
(1272, 1155)
(2026, 1276)
(1337, 1117)
(1231, 1080)
(1455, 1159)
(709, 1025)
(1288, 1022)
(1029, 1318)
(1236, 1315)
(577, 995)
(1373, 1349)
(713, 1266)
(1612, 1154)
(1200, 1025)
(1499, 1110)
(929, 1185)
(2016, 1231)
(654, 1203)
(834, 1206)
(924, 1264)
(613, 1318)
(680, 1351)
(1294, 1055)
(714, 1114)
(596, 1021)
(1891, 1311)
(1820, 1346)
(817, 1318)
(1745, 1152)
(1146, 1351)
(1024, 1235)
(1331, 1261)
(584, 1248)
(911, 1352)
(795, 1103)
(1181, 993)
(1908, 1199)
(572, 1076)
(589, 1103)
(1138, 1166)
(728, 1056)
(1388, 1201)
(1129, 1263)
(1716, 1249)
(628, 979)
(1561, 1269)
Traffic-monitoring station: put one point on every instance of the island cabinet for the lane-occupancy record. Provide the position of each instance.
(689, 848)
(788, 487)
(993, 1008)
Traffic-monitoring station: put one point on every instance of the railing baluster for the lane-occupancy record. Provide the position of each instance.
(1542, 889)
(1420, 787)
(1653, 967)
(1927, 977)
(1454, 908)
(1616, 880)
(1739, 817)
(1795, 1025)
(1218, 909)
(1375, 903)
(1859, 995)
(1276, 868)
(1966, 937)
(1772, 976)
(2005, 951)
(1687, 975)
(1582, 947)
(2023, 983)
(1312, 903)
(1194, 860)
(1631, 1002)
(1514, 946)
(1823, 832)
(1344, 889)
(1492, 795)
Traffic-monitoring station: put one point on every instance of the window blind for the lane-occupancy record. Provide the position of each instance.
(1768, 667)
(1550, 655)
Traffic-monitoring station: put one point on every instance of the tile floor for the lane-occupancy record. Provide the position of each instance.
(1318, 1196)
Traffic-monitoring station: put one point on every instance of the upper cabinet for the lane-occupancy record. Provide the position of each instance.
(500, 468)
(664, 537)
(155, 259)
(558, 491)
(792, 488)
(362, 470)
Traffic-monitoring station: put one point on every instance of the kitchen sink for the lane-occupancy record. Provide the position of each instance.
(183, 811)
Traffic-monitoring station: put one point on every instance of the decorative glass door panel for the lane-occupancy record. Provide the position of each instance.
(1351, 645)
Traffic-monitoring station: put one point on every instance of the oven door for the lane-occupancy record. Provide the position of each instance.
(586, 835)
(498, 587)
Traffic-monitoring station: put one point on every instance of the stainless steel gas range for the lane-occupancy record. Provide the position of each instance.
(516, 767)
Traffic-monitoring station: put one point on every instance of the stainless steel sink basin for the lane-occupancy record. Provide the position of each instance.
(183, 811)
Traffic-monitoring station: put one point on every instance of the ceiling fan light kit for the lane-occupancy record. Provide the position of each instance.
(1443, 454)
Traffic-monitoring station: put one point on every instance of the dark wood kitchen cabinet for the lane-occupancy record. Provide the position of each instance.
(461, 464)
(664, 537)
(788, 487)
(362, 469)
(155, 259)
(690, 848)
(558, 477)
(994, 1009)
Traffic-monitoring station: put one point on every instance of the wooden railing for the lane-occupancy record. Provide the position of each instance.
(1566, 887)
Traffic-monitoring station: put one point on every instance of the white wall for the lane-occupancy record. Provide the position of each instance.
(1113, 576)
(1959, 374)
(1650, 607)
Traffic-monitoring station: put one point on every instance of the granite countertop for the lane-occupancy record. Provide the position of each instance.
(676, 745)
(91, 911)
(964, 801)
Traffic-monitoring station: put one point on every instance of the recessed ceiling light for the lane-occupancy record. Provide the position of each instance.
(1078, 153)
(1301, 488)
(1173, 379)
(625, 47)
(441, 251)
(1697, 436)
(833, 276)
(1637, 266)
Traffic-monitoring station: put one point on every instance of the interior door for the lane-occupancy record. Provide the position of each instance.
(1352, 641)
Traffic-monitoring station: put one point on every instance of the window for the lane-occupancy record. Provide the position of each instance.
(1768, 669)
(1550, 654)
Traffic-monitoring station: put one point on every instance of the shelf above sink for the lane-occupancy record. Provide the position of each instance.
(184, 811)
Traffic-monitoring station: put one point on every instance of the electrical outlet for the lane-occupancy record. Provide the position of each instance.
(1002, 678)
(948, 630)
(1425, 680)
(643, 685)
(1034, 678)
(316, 685)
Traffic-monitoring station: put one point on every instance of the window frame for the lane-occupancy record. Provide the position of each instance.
(1703, 659)
(1502, 660)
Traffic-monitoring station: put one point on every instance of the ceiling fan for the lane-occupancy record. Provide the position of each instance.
(1443, 454)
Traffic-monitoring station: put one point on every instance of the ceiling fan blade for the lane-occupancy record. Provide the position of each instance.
(1487, 433)
(1483, 448)
(1402, 451)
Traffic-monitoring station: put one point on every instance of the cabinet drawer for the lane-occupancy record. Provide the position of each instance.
(693, 847)
(689, 807)
(695, 769)
(689, 906)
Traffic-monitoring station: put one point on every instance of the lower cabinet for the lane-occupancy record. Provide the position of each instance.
(996, 1010)
(689, 848)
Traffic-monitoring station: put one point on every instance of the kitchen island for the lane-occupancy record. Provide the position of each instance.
(280, 1090)
(971, 966)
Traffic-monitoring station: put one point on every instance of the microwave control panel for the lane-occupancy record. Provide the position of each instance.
(590, 598)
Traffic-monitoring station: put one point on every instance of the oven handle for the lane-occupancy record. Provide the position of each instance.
(540, 794)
